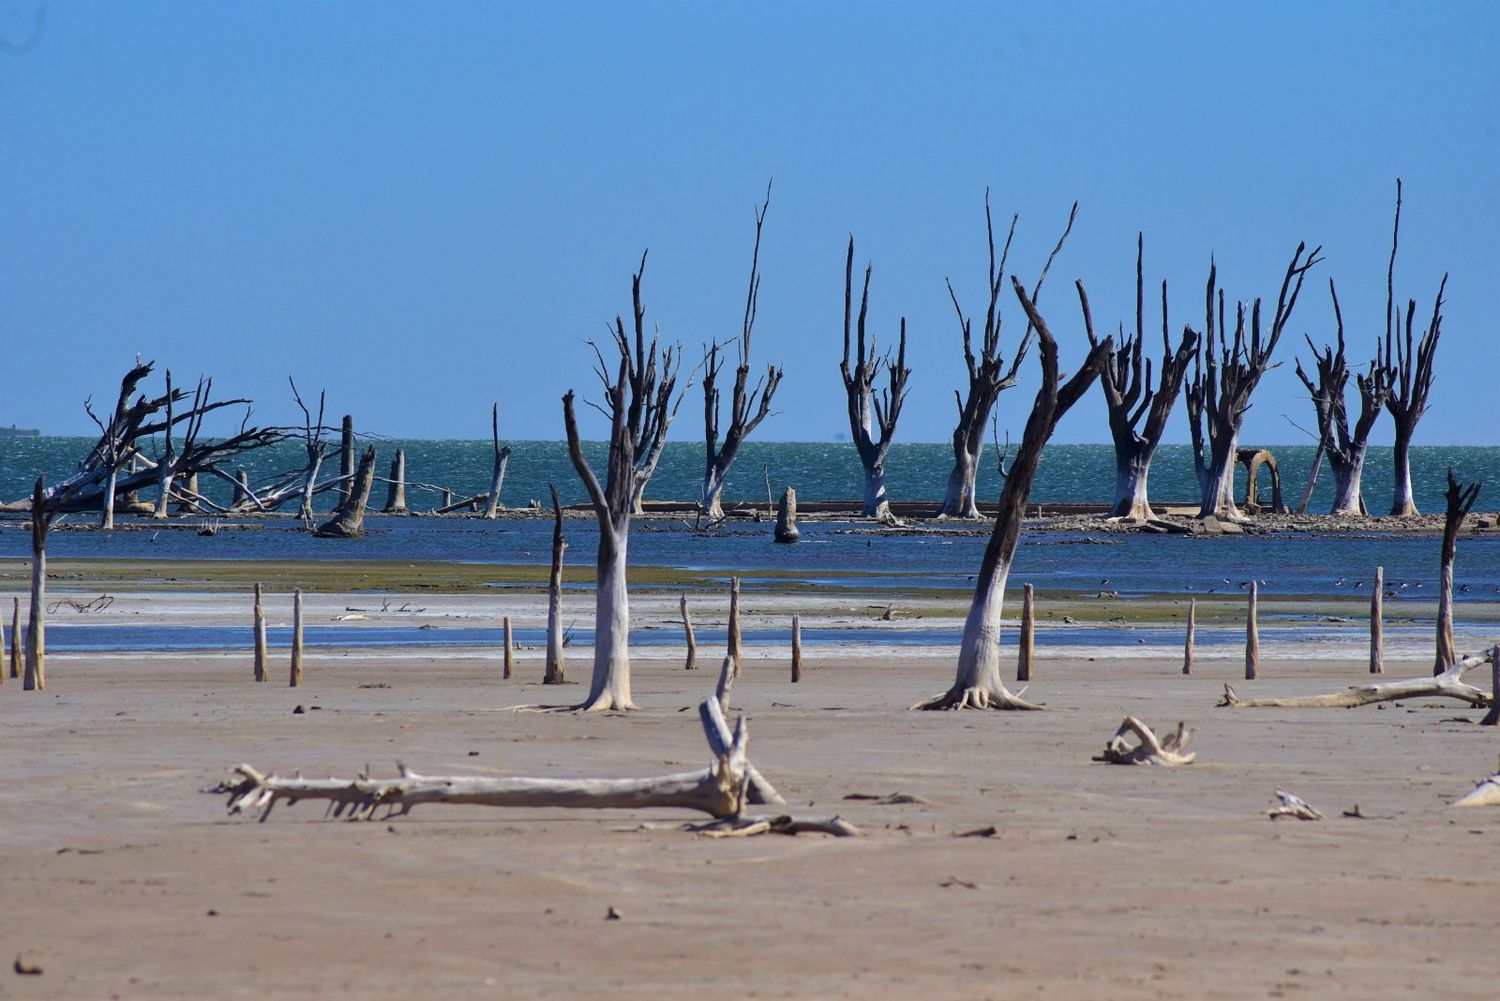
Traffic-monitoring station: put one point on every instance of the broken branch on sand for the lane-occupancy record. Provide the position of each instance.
(1449, 684)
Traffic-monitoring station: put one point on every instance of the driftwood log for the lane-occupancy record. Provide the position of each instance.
(1296, 807)
(1148, 748)
(721, 791)
(1449, 684)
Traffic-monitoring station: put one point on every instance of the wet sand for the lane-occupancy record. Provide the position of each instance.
(121, 879)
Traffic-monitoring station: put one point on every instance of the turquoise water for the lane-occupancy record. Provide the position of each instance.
(818, 470)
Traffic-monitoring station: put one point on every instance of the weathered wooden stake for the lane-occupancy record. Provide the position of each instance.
(261, 674)
(796, 648)
(510, 656)
(15, 637)
(1377, 627)
(1252, 635)
(1028, 635)
(395, 494)
(692, 642)
(554, 675)
(296, 639)
(36, 635)
(734, 623)
(2, 650)
(1192, 628)
(1492, 718)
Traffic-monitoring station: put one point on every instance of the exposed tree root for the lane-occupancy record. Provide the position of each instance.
(992, 696)
(1151, 750)
(1449, 684)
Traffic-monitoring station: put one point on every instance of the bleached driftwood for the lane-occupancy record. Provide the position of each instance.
(1294, 806)
(1486, 793)
(735, 653)
(1151, 750)
(796, 647)
(687, 629)
(1449, 684)
(259, 624)
(721, 791)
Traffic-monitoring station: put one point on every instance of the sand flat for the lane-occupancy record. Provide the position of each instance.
(1100, 880)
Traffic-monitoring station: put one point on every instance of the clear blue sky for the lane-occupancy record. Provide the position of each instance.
(424, 208)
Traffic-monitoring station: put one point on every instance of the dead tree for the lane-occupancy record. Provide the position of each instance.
(1344, 446)
(36, 625)
(1407, 367)
(554, 674)
(502, 459)
(117, 464)
(867, 411)
(346, 460)
(312, 441)
(1448, 684)
(720, 792)
(1460, 499)
(1129, 396)
(746, 408)
(395, 496)
(1226, 370)
(637, 401)
(348, 522)
(978, 684)
(988, 376)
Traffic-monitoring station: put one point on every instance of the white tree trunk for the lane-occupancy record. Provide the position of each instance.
(395, 497)
(876, 504)
(978, 684)
(36, 627)
(107, 501)
(1131, 475)
(959, 500)
(1346, 491)
(305, 512)
(164, 490)
(710, 504)
(1449, 684)
(1403, 505)
(610, 687)
(1218, 488)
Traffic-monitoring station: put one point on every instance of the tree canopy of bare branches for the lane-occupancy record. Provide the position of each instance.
(870, 412)
(1129, 395)
(1226, 370)
(746, 408)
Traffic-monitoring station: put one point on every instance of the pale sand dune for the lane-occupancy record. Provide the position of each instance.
(1100, 882)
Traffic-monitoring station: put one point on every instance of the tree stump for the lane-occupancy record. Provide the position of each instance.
(349, 521)
(687, 629)
(296, 678)
(786, 517)
(510, 657)
(796, 648)
(1377, 626)
(1252, 635)
(259, 621)
(1028, 635)
(1187, 645)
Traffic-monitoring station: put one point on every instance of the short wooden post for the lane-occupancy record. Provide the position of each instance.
(2, 650)
(1028, 635)
(510, 656)
(296, 639)
(1252, 635)
(15, 638)
(1492, 718)
(1192, 628)
(259, 623)
(692, 641)
(734, 623)
(796, 648)
(1377, 628)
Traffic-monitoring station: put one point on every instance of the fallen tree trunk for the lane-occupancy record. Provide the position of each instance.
(719, 791)
(1449, 684)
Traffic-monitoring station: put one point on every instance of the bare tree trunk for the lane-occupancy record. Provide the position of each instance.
(554, 675)
(959, 499)
(1312, 480)
(243, 495)
(1377, 625)
(977, 683)
(305, 510)
(867, 411)
(786, 518)
(1192, 628)
(510, 655)
(1492, 718)
(36, 626)
(346, 460)
(610, 685)
(395, 497)
(349, 521)
(107, 500)
(796, 648)
(1252, 635)
(296, 675)
(502, 459)
(736, 651)
(1460, 499)
(15, 637)
(261, 673)
(1218, 494)
(1027, 651)
(687, 631)
(1404, 505)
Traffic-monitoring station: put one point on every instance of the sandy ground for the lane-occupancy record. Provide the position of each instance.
(120, 878)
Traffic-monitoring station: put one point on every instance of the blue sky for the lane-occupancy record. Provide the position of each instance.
(423, 208)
